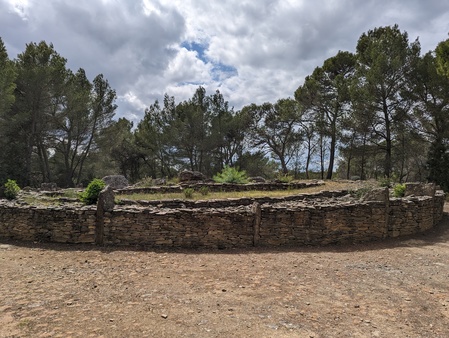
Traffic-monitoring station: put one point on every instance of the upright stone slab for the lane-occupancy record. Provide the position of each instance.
(105, 204)
(257, 210)
(106, 199)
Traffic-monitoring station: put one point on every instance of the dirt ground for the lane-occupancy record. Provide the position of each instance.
(397, 288)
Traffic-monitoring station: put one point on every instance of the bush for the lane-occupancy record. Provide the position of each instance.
(188, 192)
(284, 178)
(385, 183)
(11, 189)
(90, 195)
(399, 190)
(231, 175)
(204, 191)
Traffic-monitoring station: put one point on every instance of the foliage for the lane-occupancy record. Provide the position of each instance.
(11, 189)
(325, 95)
(257, 164)
(385, 182)
(91, 193)
(384, 110)
(188, 192)
(384, 57)
(442, 54)
(204, 191)
(399, 190)
(285, 178)
(231, 175)
(275, 128)
(50, 117)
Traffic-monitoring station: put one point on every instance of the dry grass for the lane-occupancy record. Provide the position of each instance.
(329, 186)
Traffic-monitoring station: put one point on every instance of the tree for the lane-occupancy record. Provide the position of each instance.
(118, 143)
(227, 132)
(155, 136)
(41, 74)
(7, 81)
(101, 111)
(275, 127)
(442, 58)
(7, 98)
(192, 125)
(326, 93)
(430, 92)
(385, 60)
(70, 127)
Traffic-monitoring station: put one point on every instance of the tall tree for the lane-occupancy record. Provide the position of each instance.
(7, 98)
(40, 77)
(275, 127)
(7, 80)
(326, 92)
(430, 92)
(71, 125)
(192, 125)
(101, 111)
(155, 136)
(117, 143)
(227, 133)
(384, 63)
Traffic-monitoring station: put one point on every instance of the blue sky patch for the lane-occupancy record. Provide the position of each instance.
(220, 71)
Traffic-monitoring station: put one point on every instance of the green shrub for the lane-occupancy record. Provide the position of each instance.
(90, 195)
(399, 190)
(385, 182)
(11, 189)
(231, 175)
(188, 192)
(284, 178)
(204, 191)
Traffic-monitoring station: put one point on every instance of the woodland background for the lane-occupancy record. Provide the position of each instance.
(381, 112)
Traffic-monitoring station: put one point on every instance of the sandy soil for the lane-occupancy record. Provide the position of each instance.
(397, 288)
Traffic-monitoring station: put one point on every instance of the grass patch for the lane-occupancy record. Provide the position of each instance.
(329, 185)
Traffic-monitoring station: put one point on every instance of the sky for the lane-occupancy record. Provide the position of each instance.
(251, 51)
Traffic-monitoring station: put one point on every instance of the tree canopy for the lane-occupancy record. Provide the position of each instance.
(381, 112)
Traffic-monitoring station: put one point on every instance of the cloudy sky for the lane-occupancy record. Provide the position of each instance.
(252, 51)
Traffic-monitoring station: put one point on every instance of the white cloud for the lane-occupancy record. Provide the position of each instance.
(186, 67)
(253, 51)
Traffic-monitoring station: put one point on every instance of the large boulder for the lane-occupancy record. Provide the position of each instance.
(116, 181)
(191, 176)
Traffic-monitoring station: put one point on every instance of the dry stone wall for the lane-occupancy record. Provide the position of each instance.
(47, 224)
(320, 219)
(219, 187)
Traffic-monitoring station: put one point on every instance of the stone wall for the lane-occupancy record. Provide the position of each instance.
(319, 219)
(47, 224)
(220, 187)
